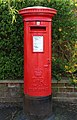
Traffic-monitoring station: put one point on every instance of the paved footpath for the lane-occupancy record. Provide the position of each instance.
(62, 111)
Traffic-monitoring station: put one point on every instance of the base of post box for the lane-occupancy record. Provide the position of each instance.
(38, 108)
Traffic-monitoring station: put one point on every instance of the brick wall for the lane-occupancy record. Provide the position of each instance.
(64, 91)
(12, 91)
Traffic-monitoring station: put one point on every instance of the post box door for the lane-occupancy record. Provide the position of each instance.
(38, 64)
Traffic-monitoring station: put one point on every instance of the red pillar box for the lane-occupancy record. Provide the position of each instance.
(37, 50)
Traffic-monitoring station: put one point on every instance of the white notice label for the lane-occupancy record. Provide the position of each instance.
(37, 43)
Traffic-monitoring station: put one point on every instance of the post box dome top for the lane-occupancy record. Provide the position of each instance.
(37, 10)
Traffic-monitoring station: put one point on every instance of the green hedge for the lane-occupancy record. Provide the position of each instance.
(11, 46)
(11, 37)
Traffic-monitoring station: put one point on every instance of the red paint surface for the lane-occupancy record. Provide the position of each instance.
(37, 65)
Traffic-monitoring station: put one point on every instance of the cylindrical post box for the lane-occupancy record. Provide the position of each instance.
(37, 54)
